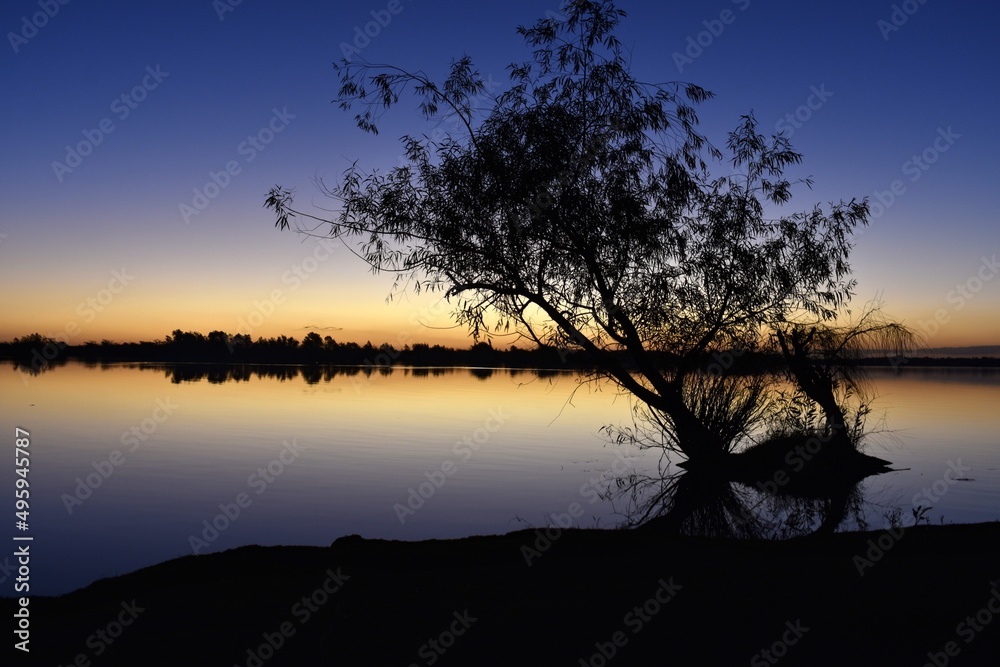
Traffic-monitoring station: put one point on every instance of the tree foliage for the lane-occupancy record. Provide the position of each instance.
(578, 210)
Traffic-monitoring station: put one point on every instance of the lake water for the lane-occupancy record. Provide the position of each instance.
(130, 463)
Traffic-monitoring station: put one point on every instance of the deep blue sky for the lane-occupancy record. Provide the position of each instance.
(889, 96)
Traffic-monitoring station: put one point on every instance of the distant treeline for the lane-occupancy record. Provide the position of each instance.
(36, 353)
(310, 373)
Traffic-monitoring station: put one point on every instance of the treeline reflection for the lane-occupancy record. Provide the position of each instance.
(222, 373)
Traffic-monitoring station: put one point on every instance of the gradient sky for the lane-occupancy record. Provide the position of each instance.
(210, 75)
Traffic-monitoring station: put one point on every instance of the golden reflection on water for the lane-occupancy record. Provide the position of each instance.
(925, 408)
(192, 436)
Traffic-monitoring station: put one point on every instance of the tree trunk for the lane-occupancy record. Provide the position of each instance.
(696, 441)
(817, 384)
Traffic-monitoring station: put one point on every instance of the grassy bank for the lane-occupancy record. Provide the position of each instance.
(588, 597)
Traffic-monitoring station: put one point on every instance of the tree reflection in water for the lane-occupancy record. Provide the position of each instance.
(714, 505)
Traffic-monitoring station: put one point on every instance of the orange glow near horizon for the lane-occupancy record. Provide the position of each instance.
(419, 321)
(343, 300)
(361, 317)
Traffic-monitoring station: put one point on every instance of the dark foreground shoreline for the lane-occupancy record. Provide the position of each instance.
(589, 597)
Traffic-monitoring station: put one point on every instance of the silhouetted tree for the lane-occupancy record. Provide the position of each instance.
(823, 361)
(577, 209)
(218, 338)
(312, 341)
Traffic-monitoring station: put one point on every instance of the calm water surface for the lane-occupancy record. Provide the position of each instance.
(129, 462)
